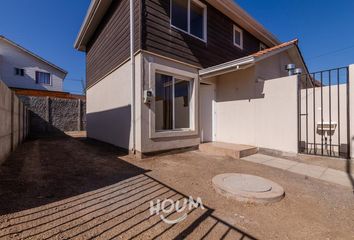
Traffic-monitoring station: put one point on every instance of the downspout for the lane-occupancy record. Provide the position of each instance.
(132, 61)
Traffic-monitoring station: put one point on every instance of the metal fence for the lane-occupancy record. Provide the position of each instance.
(323, 113)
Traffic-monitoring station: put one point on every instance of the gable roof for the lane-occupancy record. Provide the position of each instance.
(33, 54)
(98, 8)
(250, 60)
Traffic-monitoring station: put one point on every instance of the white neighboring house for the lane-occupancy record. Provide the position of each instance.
(20, 68)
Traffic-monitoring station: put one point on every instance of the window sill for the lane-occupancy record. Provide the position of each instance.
(189, 34)
(173, 133)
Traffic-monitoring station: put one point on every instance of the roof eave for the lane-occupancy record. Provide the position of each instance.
(34, 55)
(237, 14)
(98, 8)
(245, 62)
(94, 14)
(225, 67)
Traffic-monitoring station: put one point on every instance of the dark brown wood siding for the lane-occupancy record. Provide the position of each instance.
(109, 46)
(159, 37)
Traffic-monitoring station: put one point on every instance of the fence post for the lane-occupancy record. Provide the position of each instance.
(351, 109)
(19, 121)
(12, 120)
(79, 115)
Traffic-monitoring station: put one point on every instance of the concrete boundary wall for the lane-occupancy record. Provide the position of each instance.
(49, 115)
(261, 113)
(14, 123)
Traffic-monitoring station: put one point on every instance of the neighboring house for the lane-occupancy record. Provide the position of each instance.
(213, 73)
(22, 69)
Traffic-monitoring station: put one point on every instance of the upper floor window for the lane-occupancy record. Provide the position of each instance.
(238, 37)
(43, 78)
(19, 71)
(262, 47)
(190, 16)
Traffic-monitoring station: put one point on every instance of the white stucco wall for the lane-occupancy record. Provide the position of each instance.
(109, 107)
(258, 106)
(13, 57)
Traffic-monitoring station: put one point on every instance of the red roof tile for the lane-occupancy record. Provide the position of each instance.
(265, 51)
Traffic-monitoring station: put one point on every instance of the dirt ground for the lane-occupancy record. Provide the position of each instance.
(74, 188)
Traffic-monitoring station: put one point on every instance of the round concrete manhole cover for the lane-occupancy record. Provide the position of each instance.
(249, 188)
(247, 183)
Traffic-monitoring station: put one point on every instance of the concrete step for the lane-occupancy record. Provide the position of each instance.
(236, 151)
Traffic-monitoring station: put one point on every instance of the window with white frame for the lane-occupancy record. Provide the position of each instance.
(43, 78)
(190, 16)
(172, 102)
(262, 47)
(238, 37)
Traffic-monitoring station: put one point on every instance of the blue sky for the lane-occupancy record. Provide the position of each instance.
(49, 28)
(323, 27)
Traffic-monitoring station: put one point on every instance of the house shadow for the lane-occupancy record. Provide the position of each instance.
(349, 166)
(121, 210)
(56, 186)
(50, 166)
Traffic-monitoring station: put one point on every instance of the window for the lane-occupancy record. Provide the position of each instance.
(189, 16)
(43, 78)
(238, 37)
(19, 72)
(172, 102)
(262, 47)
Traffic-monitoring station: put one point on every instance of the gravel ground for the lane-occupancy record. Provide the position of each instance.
(61, 188)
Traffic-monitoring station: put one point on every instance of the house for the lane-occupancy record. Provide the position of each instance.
(172, 74)
(22, 69)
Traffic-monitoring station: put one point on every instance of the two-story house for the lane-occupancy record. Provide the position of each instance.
(22, 69)
(169, 74)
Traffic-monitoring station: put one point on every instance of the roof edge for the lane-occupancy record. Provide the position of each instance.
(234, 11)
(98, 8)
(94, 14)
(227, 65)
(33, 55)
(250, 59)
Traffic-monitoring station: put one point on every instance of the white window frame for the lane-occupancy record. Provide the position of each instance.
(45, 84)
(262, 47)
(241, 37)
(183, 75)
(205, 20)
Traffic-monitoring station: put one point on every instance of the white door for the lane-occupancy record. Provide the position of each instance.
(206, 112)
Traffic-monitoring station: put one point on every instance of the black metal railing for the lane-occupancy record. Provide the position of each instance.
(323, 113)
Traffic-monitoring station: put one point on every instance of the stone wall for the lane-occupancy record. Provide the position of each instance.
(14, 122)
(55, 115)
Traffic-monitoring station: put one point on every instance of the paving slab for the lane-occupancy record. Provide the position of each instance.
(280, 163)
(258, 158)
(336, 176)
(308, 170)
(314, 171)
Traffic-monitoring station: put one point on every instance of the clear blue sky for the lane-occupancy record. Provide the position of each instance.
(49, 28)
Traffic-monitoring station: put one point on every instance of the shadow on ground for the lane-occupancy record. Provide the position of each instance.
(64, 188)
(47, 169)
